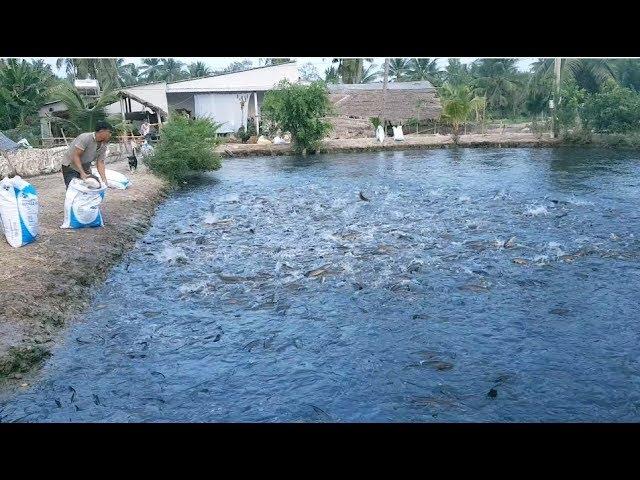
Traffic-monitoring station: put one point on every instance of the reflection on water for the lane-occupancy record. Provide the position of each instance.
(275, 294)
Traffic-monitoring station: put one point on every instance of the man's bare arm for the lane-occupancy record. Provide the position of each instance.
(77, 162)
(101, 170)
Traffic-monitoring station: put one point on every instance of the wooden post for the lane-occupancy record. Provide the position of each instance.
(556, 96)
(255, 103)
(384, 95)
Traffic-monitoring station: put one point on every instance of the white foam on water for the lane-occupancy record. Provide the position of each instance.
(464, 199)
(535, 211)
(171, 254)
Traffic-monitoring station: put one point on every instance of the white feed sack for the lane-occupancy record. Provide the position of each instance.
(82, 205)
(18, 211)
(114, 179)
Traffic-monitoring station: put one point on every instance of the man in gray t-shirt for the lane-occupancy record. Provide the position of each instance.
(86, 148)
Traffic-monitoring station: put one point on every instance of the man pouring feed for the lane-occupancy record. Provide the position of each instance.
(86, 148)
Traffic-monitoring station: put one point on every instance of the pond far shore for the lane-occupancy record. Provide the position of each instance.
(412, 141)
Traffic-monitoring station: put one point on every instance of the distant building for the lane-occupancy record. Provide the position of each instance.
(229, 98)
(356, 104)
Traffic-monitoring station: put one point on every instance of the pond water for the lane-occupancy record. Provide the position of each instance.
(272, 292)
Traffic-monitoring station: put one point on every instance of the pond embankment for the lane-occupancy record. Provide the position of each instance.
(44, 284)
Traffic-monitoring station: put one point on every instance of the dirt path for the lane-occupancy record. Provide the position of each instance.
(508, 139)
(42, 285)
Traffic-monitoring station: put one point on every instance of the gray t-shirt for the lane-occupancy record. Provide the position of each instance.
(92, 150)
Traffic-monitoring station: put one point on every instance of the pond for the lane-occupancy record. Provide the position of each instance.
(419, 286)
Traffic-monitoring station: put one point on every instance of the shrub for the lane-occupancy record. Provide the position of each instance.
(186, 147)
(300, 110)
(614, 109)
(571, 99)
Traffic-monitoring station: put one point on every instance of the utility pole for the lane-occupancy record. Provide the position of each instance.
(556, 96)
(384, 94)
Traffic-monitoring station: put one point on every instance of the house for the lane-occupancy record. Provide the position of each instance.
(356, 104)
(230, 99)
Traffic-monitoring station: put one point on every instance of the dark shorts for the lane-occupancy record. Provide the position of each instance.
(70, 173)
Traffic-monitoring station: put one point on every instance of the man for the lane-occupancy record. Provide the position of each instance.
(86, 148)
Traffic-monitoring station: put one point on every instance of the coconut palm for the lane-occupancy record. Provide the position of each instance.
(351, 70)
(198, 69)
(104, 70)
(425, 69)
(172, 70)
(627, 72)
(370, 74)
(496, 79)
(128, 73)
(456, 72)
(151, 69)
(456, 105)
(399, 69)
(589, 73)
(83, 113)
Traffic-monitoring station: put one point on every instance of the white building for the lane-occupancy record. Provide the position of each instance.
(229, 99)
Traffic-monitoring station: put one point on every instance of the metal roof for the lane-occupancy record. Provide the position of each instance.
(419, 85)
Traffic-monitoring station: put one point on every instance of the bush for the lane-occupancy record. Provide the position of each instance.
(571, 99)
(30, 132)
(300, 110)
(615, 109)
(186, 147)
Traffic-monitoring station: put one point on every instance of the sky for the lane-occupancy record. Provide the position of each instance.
(217, 63)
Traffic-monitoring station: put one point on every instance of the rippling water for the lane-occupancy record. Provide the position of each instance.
(272, 292)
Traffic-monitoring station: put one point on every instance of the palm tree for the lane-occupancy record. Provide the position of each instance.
(198, 69)
(331, 75)
(351, 70)
(172, 70)
(457, 73)
(399, 68)
(496, 79)
(425, 69)
(128, 73)
(456, 106)
(370, 74)
(589, 73)
(83, 112)
(151, 68)
(627, 72)
(104, 70)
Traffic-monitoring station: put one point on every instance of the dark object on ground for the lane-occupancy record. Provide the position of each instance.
(69, 173)
(362, 197)
(493, 393)
(133, 162)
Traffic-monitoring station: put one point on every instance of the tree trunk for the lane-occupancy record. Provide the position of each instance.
(384, 95)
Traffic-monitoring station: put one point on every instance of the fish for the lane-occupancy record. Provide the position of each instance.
(58, 403)
(252, 344)
(231, 278)
(96, 400)
(316, 272)
(319, 411)
(519, 261)
(510, 243)
(362, 197)
(73, 395)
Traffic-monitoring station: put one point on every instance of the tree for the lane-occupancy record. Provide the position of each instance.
(275, 61)
(458, 103)
(238, 66)
(128, 73)
(186, 147)
(24, 87)
(590, 74)
(300, 110)
(370, 74)
(105, 70)
(199, 69)
(309, 73)
(627, 72)
(456, 73)
(83, 113)
(615, 109)
(495, 79)
(151, 69)
(425, 69)
(331, 75)
(172, 70)
(399, 68)
(571, 100)
(351, 70)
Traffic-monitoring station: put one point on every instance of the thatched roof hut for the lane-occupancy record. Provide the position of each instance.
(355, 104)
